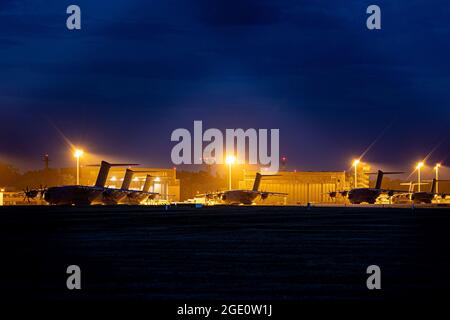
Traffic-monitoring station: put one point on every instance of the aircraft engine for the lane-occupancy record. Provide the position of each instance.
(264, 196)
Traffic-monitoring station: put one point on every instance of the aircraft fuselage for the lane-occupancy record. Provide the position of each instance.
(239, 196)
(422, 197)
(113, 196)
(72, 195)
(360, 195)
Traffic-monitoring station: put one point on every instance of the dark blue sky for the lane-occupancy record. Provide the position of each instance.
(140, 69)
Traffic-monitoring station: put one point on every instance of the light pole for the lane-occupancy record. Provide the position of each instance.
(230, 160)
(355, 164)
(78, 154)
(419, 166)
(436, 168)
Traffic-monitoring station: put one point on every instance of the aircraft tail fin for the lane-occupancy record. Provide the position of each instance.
(103, 174)
(104, 171)
(380, 175)
(433, 186)
(148, 179)
(257, 182)
(379, 179)
(258, 178)
(147, 183)
(127, 179)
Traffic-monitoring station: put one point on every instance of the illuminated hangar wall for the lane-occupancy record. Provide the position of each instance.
(301, 187)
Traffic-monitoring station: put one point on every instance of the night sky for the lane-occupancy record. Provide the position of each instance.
(137, 70)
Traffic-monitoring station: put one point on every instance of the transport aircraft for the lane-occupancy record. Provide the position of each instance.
(405, 198)
(125, 195)
(77, 194)
(428, 197)
(246, 197)
(112, 196)
(135, 197)
(369, 195)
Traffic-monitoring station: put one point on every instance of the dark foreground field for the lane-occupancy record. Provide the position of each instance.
(232, 253)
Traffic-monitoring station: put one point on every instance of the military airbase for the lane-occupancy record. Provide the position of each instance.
(307, 236)
(284, 237)
(125, 184)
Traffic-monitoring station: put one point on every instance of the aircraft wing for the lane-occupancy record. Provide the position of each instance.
(390, 191)
(208, 194)
(333, 194)
(273, 193)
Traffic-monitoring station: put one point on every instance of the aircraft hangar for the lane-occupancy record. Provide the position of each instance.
(303, 187)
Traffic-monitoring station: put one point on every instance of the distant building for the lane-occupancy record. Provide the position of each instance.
(362, 176)
(301, 187)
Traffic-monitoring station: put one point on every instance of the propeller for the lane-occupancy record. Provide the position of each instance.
(30, 194)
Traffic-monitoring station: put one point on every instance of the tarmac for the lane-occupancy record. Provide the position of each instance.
(251, 253)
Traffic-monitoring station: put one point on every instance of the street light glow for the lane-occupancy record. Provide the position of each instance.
(420, 165)
(355, 164)
(230, 159)
(78, 153)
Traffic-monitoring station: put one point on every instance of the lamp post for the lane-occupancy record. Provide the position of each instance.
(78, 154)
(230, 160)
(355, 164)
(419, 166)
(436, 168)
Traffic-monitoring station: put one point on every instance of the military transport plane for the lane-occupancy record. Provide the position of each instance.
(125, 195)
(405, 197)
(136, 197)
(112, 196)
(369, 195)
(427, 197)
(243, 196)
(80, 195)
